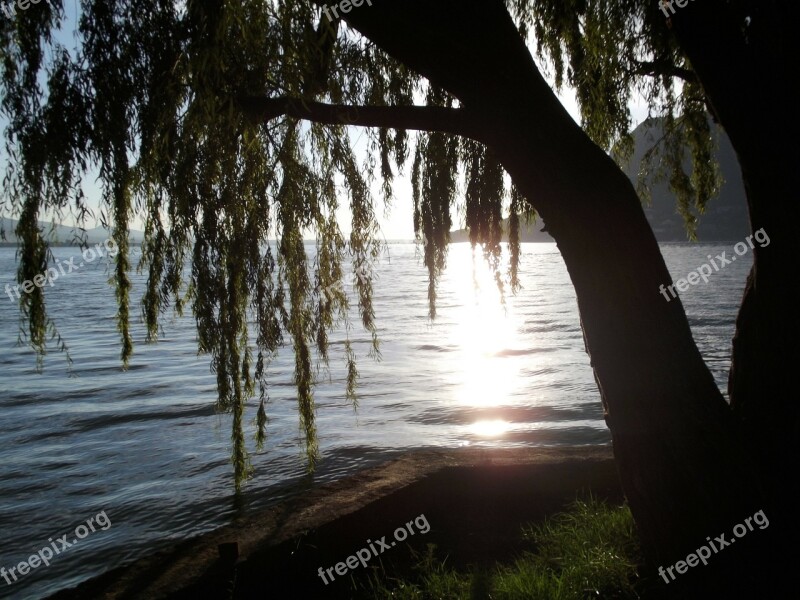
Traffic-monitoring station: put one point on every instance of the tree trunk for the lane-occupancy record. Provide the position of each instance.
(744, 71)
(681, 463)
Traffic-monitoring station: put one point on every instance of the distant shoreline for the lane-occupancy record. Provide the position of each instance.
(60, 244)
(309, 242)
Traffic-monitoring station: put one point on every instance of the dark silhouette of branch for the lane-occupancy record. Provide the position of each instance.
(665, 67)
(420, 118)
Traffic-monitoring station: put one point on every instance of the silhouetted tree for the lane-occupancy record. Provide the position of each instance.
(224, 124)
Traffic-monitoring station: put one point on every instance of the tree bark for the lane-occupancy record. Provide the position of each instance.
(739, 52)
(681, 461)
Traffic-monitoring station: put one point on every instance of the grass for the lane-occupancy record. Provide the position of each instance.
(589, 551)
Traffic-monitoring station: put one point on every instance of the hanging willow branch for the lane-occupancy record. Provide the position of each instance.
(224, 127)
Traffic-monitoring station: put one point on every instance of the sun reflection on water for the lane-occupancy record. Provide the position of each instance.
(485, 330)
(495, 428)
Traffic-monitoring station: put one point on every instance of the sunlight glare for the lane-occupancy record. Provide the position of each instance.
(484, 330)
(494, 428)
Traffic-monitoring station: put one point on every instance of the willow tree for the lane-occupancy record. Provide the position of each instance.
(224, 125)
(732, 58)
(743, 61)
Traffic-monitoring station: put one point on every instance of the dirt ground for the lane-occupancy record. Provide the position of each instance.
(475, 501)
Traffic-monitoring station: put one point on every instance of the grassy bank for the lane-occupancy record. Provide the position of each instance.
(588, 551)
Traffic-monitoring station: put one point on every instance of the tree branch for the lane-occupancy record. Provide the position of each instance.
(665, 67)
(420, 118)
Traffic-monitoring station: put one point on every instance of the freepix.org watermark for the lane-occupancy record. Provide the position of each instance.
(44, 555)
(345, 6)
(9, 10)
(89, 255)
(364, 555)
(332, 290)
(703, 553)
(704, 271)
(668, 4)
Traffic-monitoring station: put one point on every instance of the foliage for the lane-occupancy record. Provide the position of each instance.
(154, 99)
(609, 50)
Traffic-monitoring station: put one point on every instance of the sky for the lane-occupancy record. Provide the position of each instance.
(396, 222)
(398, 225)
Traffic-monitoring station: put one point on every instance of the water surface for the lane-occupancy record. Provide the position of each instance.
(146, 446)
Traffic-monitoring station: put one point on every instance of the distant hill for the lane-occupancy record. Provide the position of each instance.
(528, 232)
(63, 235)
(726, 217)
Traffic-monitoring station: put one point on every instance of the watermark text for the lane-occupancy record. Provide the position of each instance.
(704, 271)
(364, 555)
(703, 553)
(49, 277)
(43, 556)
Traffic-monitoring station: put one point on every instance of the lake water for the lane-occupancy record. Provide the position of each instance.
(146, 447)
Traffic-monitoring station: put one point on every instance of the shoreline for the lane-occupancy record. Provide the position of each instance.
(474, 499)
